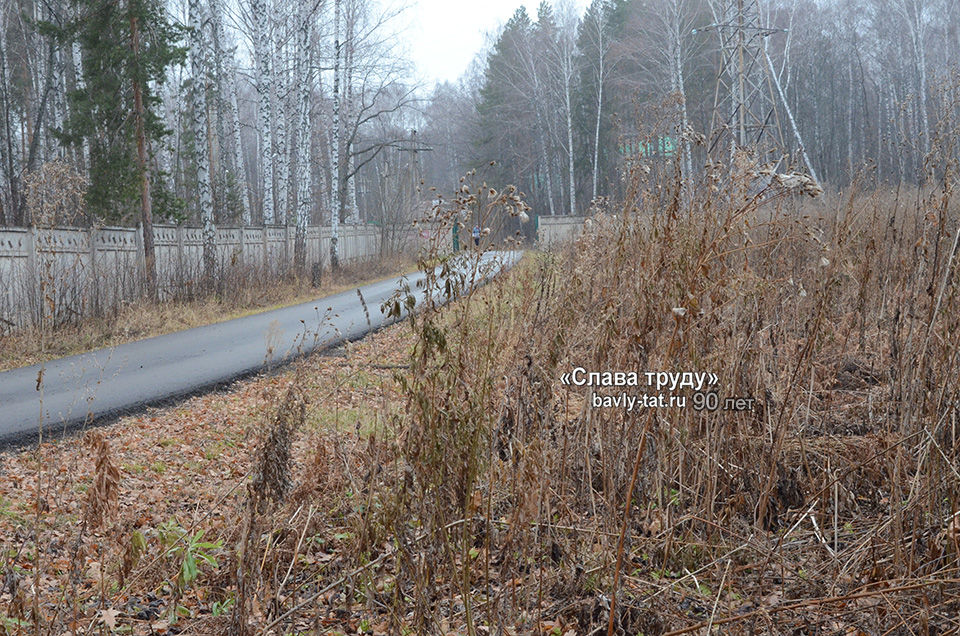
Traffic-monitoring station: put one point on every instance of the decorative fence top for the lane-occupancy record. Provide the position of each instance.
(95, 268)
(17, 242)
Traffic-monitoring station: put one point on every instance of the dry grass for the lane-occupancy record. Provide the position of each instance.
(115, 519)
(829, 507)
(143, 319)
(441, 479)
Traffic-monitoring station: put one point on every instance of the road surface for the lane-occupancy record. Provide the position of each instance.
(107, 383)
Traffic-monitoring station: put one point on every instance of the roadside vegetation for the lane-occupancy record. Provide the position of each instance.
(144, 318)
(439, 478)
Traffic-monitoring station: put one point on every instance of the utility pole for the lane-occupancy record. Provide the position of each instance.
(749, 97)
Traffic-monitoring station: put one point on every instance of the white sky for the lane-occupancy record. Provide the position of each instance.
(444, 35)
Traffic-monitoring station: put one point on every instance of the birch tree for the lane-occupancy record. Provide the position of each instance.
(76, 58)
(595, 51)
(8, 154)
(565, 52)
(239, 163)
(200, 126)
(227, 88)
(912, 12)
(262, 50)
(335, 144)
(373, 91)
(218, 68)
(512, 100)
(305, 79)
(352, 18)
(666, 30)
(279, 97)
(539, 71)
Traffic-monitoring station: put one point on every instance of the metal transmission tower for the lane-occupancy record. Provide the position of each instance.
(749, 99)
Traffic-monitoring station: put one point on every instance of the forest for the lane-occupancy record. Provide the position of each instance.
(304, 109)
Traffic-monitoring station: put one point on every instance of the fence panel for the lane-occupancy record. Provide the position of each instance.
(66, 273)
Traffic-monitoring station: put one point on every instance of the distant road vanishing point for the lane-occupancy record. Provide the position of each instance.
(107, 383)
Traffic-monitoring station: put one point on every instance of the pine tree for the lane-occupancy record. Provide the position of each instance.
(599, 31)
(126, 49)
(504, 105)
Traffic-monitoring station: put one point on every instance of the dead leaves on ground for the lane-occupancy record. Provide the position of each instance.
(80, 518)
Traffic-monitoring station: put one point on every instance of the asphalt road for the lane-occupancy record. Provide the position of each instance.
(107, 383)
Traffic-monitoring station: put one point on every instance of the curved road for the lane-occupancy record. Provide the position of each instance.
(107, 383)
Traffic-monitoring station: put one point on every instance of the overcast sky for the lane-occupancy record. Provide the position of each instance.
(444, 35)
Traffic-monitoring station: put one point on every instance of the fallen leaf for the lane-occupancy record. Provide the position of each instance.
(109, 618)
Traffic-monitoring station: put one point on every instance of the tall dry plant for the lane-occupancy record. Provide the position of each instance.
(270, 484)
(836, 319)
(104, 492)
(508, 502)
(449, 387)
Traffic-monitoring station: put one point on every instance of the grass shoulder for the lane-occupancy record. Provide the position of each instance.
(143, 319)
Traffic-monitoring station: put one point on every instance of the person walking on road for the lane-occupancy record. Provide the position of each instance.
(476, 236)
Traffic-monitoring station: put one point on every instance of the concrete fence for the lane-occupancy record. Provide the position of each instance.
(556, 229)
(65, 273)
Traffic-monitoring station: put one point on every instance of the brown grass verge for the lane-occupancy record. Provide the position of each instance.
(441, 478)
(143, 319)
(118, 558)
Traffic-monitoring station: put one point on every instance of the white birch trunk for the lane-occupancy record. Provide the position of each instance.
(684, 126)
(880, 135)
(676, 79)
(596, 130)
(303, 138)
(565, 45)
(353, 210)
(542, 136)
(546, 165)
(850, 119)
(226, 72)
(60, 100)
(167, 157)
(913, 13)
(218, 150)
(793, 122)
(200, 134)
(279, 96)
(7, 212)
(261, 51)
(572, 177)
(922, 62)
(327, 173)
(352, 215)
(239, 166)
(12, 158)
(896, 136)
(335, 144)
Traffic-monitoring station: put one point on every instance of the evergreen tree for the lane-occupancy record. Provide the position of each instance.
(598, 41)
(504, 106)
(104, 111)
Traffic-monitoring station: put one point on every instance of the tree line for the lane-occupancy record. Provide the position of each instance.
(273, 112)
(565, 103)
(256, 112)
